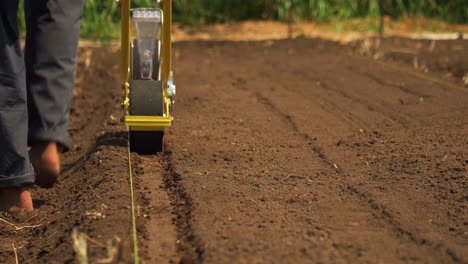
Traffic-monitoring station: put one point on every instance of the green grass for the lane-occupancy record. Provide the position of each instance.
(101, 17)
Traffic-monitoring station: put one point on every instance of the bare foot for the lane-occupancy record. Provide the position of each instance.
(45, 158)
(15, 200)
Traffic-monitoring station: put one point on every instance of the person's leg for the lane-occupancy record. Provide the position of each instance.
(16, 172)
(53, 28)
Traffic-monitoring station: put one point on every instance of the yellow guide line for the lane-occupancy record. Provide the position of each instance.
(134, 226)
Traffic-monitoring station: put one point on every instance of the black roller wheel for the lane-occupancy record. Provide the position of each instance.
(146, 142)
(146, 99)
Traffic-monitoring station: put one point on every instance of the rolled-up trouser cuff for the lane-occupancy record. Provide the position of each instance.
(17, 181)
(50, 136)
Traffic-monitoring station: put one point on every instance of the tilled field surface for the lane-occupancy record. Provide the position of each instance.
(290, 151)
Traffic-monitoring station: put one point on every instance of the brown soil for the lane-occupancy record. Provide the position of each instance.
(288, 151)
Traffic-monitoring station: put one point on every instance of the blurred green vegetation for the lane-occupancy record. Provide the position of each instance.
(101, 17)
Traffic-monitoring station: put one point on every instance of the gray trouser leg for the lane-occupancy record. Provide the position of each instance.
(15, 168)
(53, 28)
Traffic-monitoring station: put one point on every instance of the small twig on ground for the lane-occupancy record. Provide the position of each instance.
(445, 157)
(18, 228)
(52, 234)
(94, 241)
(27, 220)
(16, 253)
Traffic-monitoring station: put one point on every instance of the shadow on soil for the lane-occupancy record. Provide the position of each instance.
(117, 139)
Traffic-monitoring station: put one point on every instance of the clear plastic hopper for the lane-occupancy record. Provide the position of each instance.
(147, 22)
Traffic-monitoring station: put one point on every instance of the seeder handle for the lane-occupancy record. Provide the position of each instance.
(166, 43)
(125, 39)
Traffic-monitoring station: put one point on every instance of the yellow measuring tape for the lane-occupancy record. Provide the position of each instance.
(132, 195)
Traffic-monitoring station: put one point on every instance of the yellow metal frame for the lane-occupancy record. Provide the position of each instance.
(147, 123)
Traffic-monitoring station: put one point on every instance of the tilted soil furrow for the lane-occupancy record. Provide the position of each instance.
(288, 119)
(251, 195)
(245, 142)
(435, 245)
(298, 82)
(156, 229)
(379, 108)
(394, 224)
(379, 210)
(395, 85)
(399, 229)
(330, 73)
(189, 246)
